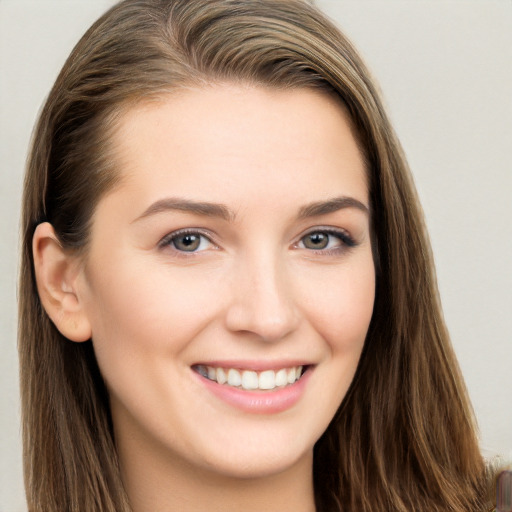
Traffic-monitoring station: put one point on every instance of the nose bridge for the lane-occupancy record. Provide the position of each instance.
(263, 302)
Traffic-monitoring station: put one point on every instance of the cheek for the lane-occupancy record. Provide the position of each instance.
(345, 317)
(342, 308)
(339, 308)
(138, 315)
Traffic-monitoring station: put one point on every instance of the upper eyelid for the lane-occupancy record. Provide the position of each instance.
(326, 229)
(347, 240)
(187, 231)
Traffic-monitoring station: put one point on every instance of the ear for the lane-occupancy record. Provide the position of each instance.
(57, 273)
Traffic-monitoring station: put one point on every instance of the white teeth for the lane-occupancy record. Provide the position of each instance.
(291, 375)
(234, 378)
(249, 379)
(221, 376)
(281, 378)
(267, 380)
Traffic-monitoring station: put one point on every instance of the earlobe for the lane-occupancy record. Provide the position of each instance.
(57, 274)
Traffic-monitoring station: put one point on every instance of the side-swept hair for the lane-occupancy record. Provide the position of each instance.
(404, 437)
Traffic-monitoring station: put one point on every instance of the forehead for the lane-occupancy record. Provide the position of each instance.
(217, 139)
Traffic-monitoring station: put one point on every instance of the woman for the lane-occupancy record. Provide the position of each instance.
(227, 296)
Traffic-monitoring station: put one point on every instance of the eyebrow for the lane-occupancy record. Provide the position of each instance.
(331, 205)
(208, 209)
(186, 205)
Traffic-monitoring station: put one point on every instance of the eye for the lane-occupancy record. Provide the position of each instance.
(326, 240)
(187, 241)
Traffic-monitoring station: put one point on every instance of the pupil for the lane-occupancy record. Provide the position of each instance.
(317, 240)
(188, 242)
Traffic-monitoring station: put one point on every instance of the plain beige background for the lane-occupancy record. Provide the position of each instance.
(445, 69)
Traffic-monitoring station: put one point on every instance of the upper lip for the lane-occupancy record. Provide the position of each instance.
(257, 366)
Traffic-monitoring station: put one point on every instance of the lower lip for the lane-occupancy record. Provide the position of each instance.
(259, 402)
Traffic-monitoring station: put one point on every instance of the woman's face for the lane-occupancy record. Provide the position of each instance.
(237, 247)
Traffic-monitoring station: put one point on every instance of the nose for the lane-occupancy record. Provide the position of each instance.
(263, 302)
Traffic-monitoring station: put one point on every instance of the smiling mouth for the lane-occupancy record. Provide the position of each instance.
(250, 380)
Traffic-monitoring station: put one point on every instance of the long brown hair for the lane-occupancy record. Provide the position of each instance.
(404, 437)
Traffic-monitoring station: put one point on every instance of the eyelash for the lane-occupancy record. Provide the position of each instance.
(347, 242)
(169, 240)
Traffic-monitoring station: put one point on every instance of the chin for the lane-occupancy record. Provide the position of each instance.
(258, 454)
(259, 466)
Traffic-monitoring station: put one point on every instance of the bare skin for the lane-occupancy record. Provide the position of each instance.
(238, 242)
